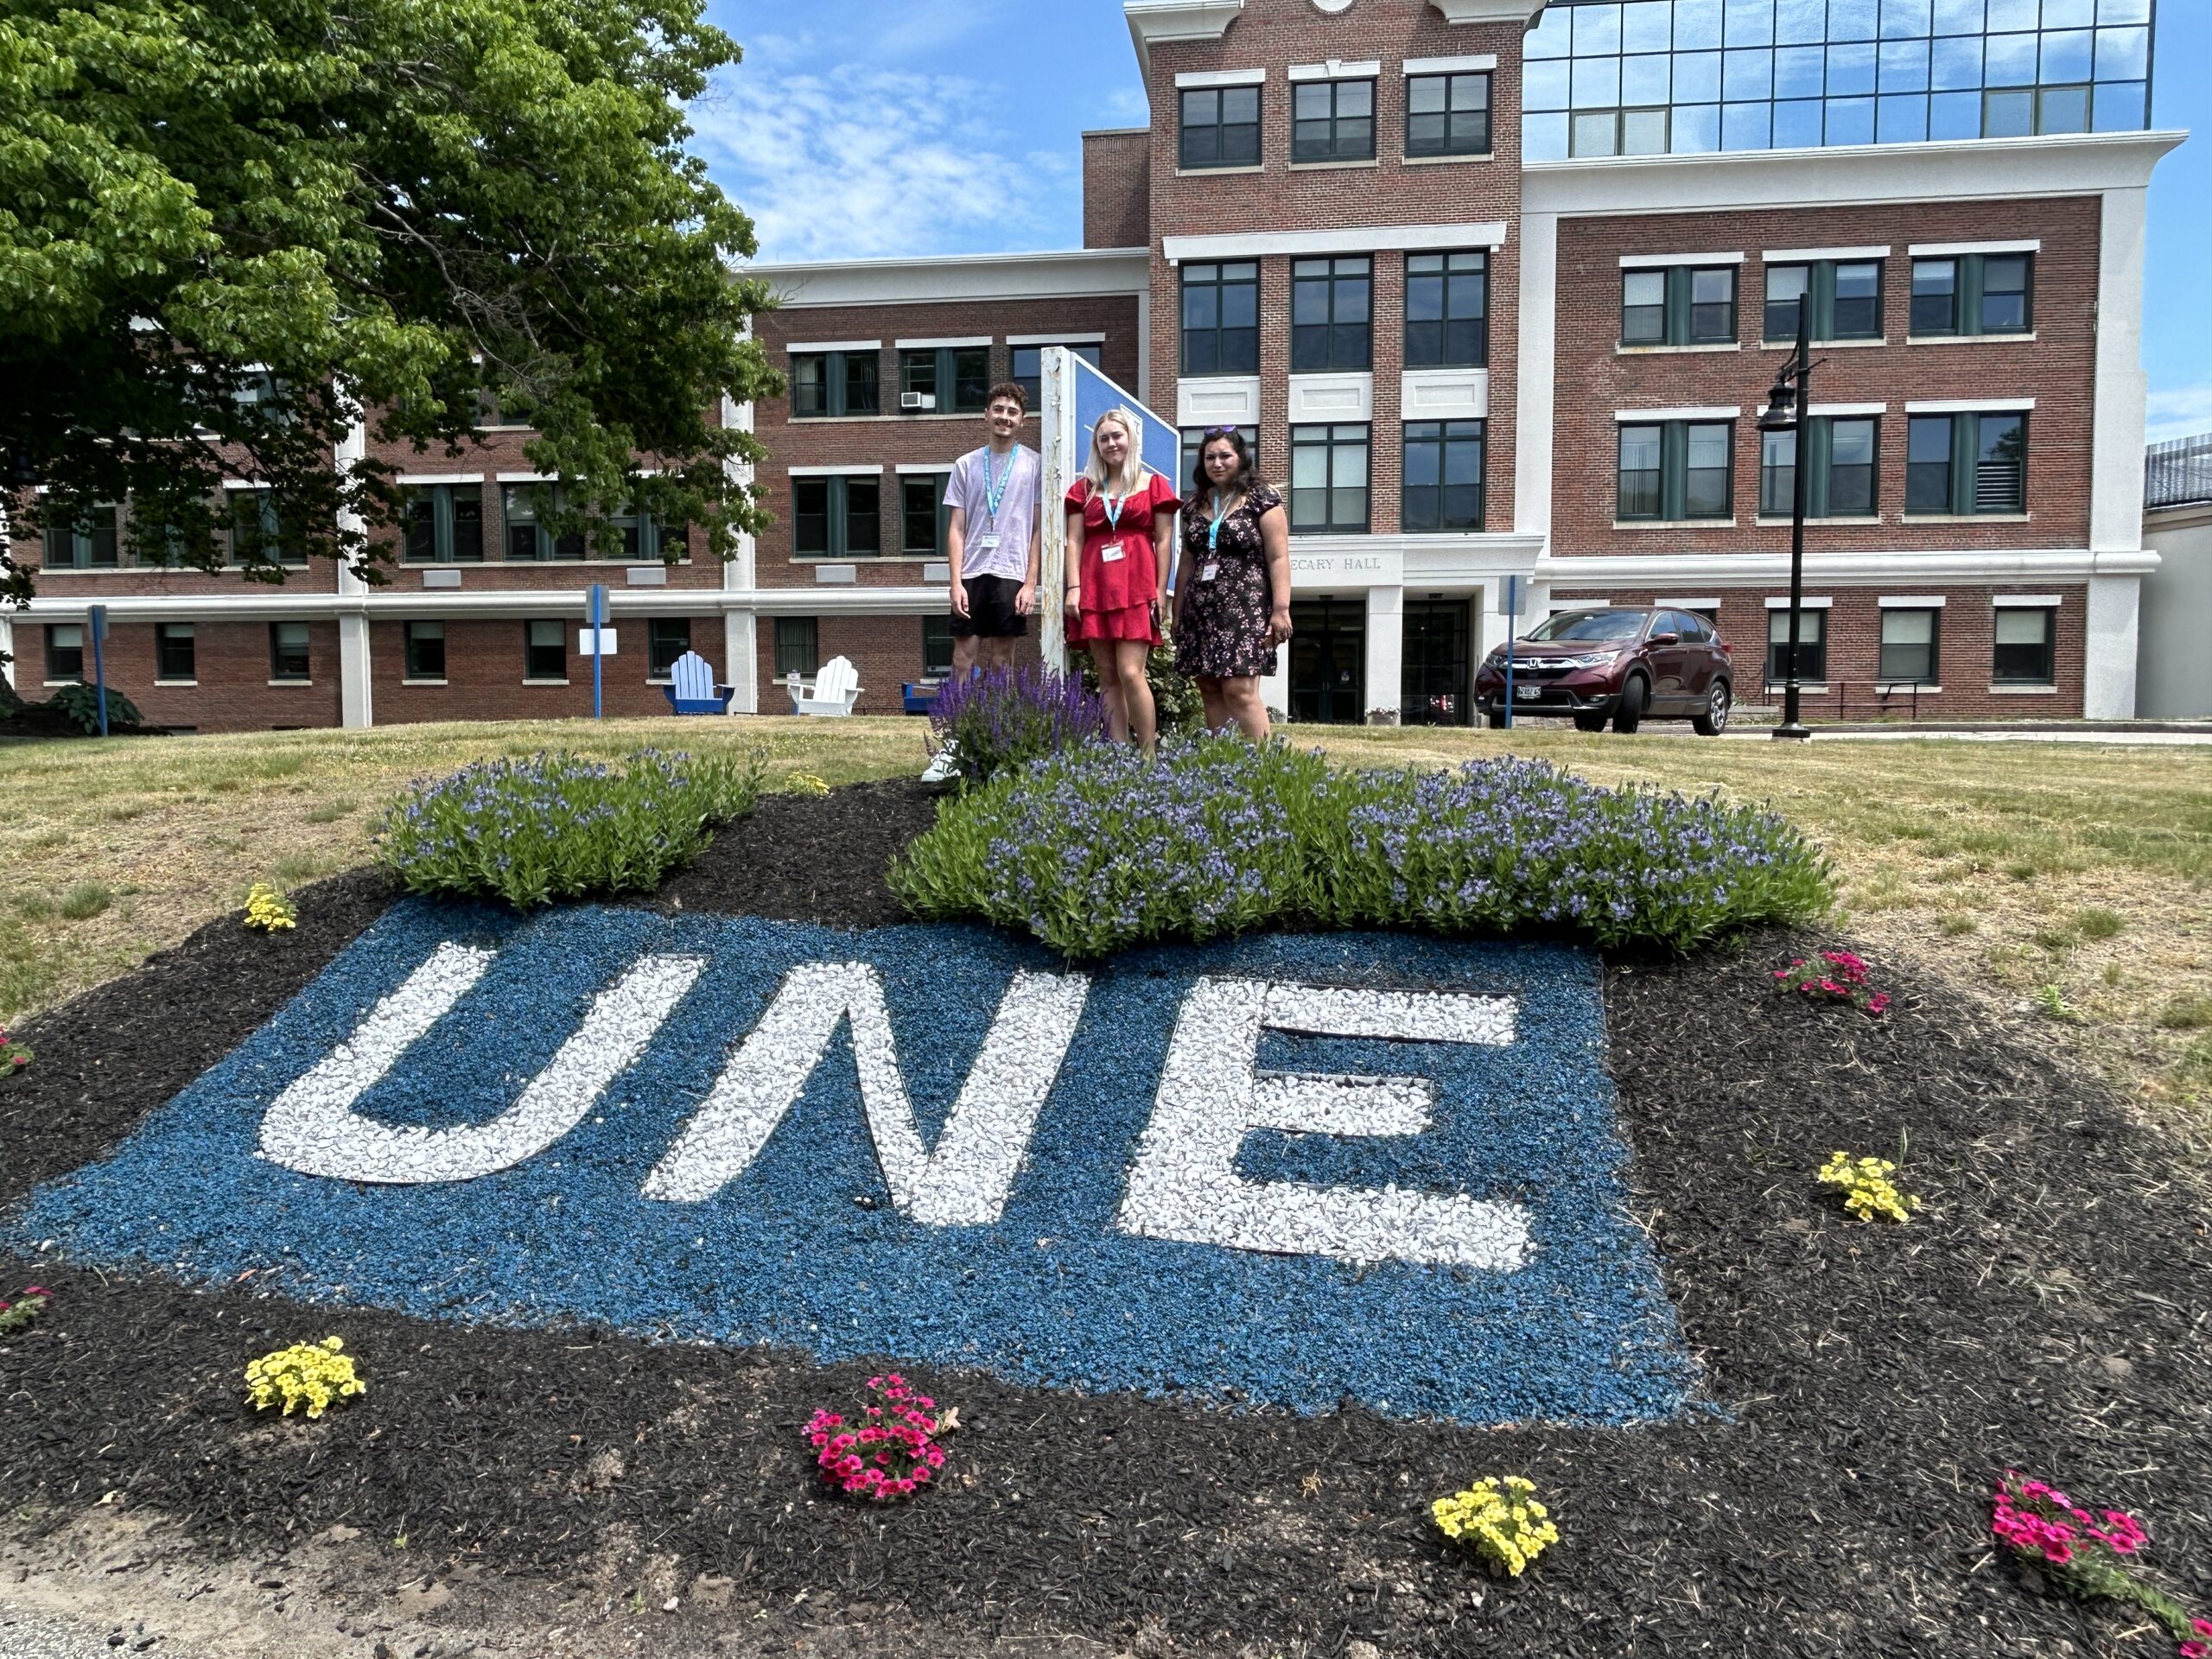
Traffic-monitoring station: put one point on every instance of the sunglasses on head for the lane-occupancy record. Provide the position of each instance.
(1213, 432)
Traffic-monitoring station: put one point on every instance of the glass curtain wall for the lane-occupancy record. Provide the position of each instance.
(1650, 77)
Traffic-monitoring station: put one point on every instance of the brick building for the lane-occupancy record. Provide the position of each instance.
(1499, 286)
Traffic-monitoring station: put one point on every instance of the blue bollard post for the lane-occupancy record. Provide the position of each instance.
(598, 651)
(96, 622)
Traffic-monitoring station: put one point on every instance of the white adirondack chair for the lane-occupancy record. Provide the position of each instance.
(834, 690)
(691, 688)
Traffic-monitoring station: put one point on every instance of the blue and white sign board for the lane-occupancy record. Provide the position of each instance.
(1292, 1170)
(1073, 395)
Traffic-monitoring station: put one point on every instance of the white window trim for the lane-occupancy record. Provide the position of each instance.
(1685, 604)
(853, 470)
(1475, 63)
(1911, 601)
(1969, 405)
(1196, 80)
(942, 345)
(1056, 340)
(423, 481)
(246, 484)
(1815, 256)
(798, 349)
(2027, 601)
(1643, 417)
(1559, 604)
(1659, 261)
(1943, 249)
(1337, 69)
(1848, 410)
(1780, 602)
(525, 477)
(1353, 238)
(920, 469)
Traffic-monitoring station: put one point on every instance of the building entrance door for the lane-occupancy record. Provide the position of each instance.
(1435, 677)
(1328, 662)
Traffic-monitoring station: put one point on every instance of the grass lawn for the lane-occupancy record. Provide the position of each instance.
(2067, 882)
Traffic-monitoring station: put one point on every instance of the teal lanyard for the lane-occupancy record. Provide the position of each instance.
(1213, 530)
(1114, 510)
(995, 489)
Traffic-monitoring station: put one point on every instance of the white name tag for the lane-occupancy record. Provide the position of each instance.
(1111, 553)
(988, 540)
(1207, 573)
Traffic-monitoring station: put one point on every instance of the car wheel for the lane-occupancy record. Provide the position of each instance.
(1715, 720)
(1589, 722)
(1634, 695)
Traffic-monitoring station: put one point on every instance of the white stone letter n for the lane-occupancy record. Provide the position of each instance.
(1183, 1184)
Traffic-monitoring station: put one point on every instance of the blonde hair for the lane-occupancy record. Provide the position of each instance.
(1132, 476)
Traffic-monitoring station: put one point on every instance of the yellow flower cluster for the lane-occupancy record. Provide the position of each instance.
(805, 783)
(1500, 1520)
(268, 911)
(316, 1374)
(1867, 1190)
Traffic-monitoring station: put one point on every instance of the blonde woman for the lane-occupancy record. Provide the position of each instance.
(1121, 540)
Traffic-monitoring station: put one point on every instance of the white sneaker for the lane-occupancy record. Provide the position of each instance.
(945, 768)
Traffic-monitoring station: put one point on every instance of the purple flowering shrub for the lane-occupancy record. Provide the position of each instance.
(1099, 848)
(556, 826)
(1006, 717)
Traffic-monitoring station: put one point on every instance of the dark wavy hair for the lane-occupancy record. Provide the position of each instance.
(1248, 481)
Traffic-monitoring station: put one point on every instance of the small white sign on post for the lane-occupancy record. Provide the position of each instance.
(595, 642)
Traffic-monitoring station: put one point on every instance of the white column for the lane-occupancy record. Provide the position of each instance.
(2108, 671)
(356, 700)
(1532, 423)
(7, 649)
(1491, 625)
(742, 651)
(2116, 437)
(1386, 646)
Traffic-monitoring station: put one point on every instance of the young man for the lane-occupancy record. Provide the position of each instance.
(996, 535)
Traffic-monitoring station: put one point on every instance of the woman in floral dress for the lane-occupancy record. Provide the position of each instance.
(1232, 593)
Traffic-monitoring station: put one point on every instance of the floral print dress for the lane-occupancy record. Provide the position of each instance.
(1222, 632)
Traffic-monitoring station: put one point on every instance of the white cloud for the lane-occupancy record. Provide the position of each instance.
(2182, 412)
(857, 162)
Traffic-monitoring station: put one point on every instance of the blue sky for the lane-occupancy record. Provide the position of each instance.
(884, 127)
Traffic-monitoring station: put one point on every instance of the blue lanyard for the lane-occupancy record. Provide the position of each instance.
(1213, 530)
(1113, 509)
(995, 489)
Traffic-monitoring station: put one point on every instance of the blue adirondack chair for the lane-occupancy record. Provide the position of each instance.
(691, 688)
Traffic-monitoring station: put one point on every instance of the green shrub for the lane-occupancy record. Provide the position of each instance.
(1175, 700)
(86, 900)
(2097, 924)
(554, 826)
(81, 705)
(1100, 848)
(2187, 1013)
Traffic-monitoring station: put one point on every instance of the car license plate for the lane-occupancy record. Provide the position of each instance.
(1529, 693)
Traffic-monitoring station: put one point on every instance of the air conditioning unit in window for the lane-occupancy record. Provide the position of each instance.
(918, 400)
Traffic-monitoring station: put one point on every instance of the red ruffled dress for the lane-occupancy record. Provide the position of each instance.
(1119, 571)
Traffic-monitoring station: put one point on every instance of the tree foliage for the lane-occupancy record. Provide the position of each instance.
(226, 226)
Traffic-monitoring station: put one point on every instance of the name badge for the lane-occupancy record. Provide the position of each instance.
(988, 540)
(1111, 553)
(1207, 573)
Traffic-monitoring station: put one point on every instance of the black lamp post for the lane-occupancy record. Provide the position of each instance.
(1789, 409)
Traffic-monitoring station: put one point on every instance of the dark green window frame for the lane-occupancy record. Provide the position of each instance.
(1812, 646)
(546, 650)
(1966, 464)
(828, 384)
(1841, 309)
(1447, 310)
(425, 650)
(91, 544)
(290, 658)
(1331, 314)
(1953, 295)
(1849, 489)
(1902, 660)
(667, 638)
(443, 523)
(1332, 121)
(1443, 486)
(1669, 490)
(1325, 460)
(965, 370)
(64, 652)
(176, 651)
(530, 542)
(2023, 661)
(924, 521)
(937, 647)
(1679, 305)
(838, 518)
(257, 526)
(1448, 115)
(1221, 318)
(1220, 127)
(798, 645)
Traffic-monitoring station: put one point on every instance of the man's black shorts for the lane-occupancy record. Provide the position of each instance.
(991, 614)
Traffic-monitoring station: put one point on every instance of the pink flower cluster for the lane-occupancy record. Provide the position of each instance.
(2037, 1519)
(1833, 976)
(13, 1055)
(14, 1315)
(2200, 1646)
(890, 1453)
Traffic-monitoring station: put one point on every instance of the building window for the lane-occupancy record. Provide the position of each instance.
(64, 651)
(287, 652)
(257, 533)
(1194, 441)
(1973, 293)
(667, 638)
(1908, 647)
(1447, 115)
(1029, 367)
(546, 650)
(529, 540)
(2027, 648)
(1221, 319)
(1680, 305)
(1842, 484)
(1812, 646)
(426, 651)
(1221, 127)
(937, 647)
(824, 383)
(797, 650)
(1332, 312)
(839, 517)
(1332, 121)
(1676, 470)
(1328, 479)
(1846, 299)
(1447, 310)
(88, 544)
(444, 524)
(924, 520)
(173, 653)
(1960, 465)
(1444, 475)
(1621, 132)
(948, 380)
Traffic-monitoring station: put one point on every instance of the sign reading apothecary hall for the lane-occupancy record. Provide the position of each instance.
(1293, 1170)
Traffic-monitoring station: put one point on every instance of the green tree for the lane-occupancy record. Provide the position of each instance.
(224, 227)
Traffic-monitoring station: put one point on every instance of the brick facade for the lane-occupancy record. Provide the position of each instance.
(1117, 188)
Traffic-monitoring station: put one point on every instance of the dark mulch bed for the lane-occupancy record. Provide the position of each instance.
(1868, 1381)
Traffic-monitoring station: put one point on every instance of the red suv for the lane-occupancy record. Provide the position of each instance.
(1623, 666)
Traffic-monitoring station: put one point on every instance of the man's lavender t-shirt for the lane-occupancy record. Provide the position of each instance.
(968, 489)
